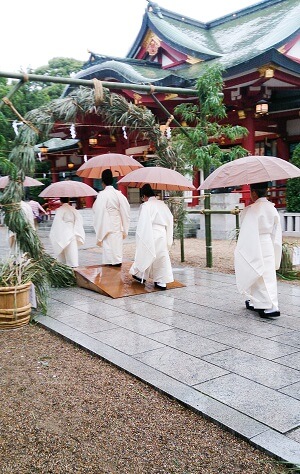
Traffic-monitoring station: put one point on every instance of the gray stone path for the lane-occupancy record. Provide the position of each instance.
(199, 345)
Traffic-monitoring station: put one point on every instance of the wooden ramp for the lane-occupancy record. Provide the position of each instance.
(115, 282)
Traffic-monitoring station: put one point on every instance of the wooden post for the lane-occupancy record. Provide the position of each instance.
(207, 217)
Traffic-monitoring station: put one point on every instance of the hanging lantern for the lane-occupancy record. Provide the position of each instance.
(43, 149)
(262, 107)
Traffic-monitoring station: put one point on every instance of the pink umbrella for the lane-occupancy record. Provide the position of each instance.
(250, 169)
(158, 178)
(120, 165)
(28, 182)
(68, 189)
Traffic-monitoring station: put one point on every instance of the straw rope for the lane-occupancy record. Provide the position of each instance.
(98, 92)
(9, 104)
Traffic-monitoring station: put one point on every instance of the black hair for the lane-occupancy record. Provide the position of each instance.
(107, 177)
(260, 188)
(64, 199)
(147, 191)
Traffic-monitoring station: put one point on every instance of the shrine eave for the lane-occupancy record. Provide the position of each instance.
(140, 72)
(57, 144)
(121, 71)
(270, 57)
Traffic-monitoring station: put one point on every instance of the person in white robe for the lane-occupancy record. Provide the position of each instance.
(67, 234)
(258, 253)
(29, 216)
(154, 237)
(111, 221)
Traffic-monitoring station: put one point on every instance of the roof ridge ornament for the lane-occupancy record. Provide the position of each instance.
(155, 8)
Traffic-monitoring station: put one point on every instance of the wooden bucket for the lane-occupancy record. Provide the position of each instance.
(15, 306)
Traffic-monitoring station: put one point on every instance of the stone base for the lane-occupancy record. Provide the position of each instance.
(223, 226)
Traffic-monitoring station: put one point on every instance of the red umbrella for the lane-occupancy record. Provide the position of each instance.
(120, 165)
(68, 189)
(158, 178)
(28, 182)
(250, 169)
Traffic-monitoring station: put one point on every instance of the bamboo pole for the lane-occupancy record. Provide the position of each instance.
(11, 92)
(207, 219)
(90, 83)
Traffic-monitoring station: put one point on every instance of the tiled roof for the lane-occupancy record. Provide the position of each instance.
(234, 38)
(187, 39)
(233, 41)
(55, 144)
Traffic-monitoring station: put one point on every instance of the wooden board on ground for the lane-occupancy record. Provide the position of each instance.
(115, 282)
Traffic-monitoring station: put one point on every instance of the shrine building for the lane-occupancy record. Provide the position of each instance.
(258, 48)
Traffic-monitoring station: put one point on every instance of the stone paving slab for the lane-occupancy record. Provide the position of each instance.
(268, 406)
(265, 372)
(253, 345)
(292, 360)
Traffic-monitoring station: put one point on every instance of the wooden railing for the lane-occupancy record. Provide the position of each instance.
(276, 194)
(290, 223)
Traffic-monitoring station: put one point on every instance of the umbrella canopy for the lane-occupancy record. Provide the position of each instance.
(250, 169)
(28, 182)
(68, 189)
(120, 165)
(158, 178)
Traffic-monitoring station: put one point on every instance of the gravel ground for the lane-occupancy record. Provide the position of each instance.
(65, 411)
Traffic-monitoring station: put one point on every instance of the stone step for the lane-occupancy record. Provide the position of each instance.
(88, 219)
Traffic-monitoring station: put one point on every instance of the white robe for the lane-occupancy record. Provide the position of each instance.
(111, 223)
(154, 237)
(258, 254)
(29, 216)
(66, 234)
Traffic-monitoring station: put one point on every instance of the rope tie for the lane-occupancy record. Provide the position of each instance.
(169, 120)
(9, 104)
(98, 92)
(11, 207)
(152, 89)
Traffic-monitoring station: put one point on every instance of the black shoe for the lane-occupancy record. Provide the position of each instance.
(159, 287)
(274, 314)
(249, 306)
(138, 279)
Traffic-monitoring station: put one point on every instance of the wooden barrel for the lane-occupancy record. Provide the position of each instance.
(15, 306)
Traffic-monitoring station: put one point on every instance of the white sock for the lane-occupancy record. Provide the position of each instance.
(271, 310)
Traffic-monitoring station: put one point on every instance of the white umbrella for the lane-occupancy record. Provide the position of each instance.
(28, 182)
(159, 178)
(119, 164)
(250, 169)
(68, 188)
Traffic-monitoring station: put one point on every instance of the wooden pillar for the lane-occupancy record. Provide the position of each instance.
(54, 173)
(89, 200)
(196, 183)
(122, 188)
(248, 142)
(282, 149)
